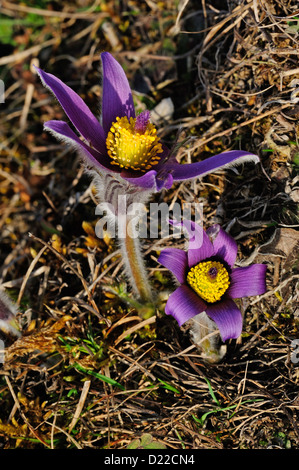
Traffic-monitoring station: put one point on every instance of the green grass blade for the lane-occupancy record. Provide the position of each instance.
(102, 377)
(212, 392)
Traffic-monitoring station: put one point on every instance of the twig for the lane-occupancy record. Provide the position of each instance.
(58, 14)
(133, 362)
(19, 56)
(26, 107)
(66, 433)
(17, 404)
(131, 330)
(80, 405)
(202, 142)
(182, 8)
(59, 255)
(28, 273)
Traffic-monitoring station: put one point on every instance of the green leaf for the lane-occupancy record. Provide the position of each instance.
(98, 376)
(168, 386)
(218, 409)
(212, 392)
(296, 159)
(134, 444)
(146, 442)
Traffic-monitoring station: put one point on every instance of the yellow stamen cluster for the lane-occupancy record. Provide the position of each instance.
(132, 149)
(209, 279)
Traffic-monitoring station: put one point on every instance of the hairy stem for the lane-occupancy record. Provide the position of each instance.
(206, 336)
(134, 264)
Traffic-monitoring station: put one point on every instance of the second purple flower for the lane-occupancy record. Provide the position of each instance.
(208, 280)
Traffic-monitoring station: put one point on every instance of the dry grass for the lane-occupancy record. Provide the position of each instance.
(87, 373)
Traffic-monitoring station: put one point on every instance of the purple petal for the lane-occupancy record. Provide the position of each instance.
(184, 304)
(146, 181)
(222, 160)
(175, 260)
(75, 108)
(164, 178)
(165, 182)
(200, 247)
(117, 97)
(247, 281)
(224, 245)
(227, 317)
(62, 131)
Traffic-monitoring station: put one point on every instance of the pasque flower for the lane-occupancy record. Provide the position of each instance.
(124, 154)
(124, 145)
(208, 280)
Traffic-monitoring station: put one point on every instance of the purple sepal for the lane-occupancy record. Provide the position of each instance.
(211, 164)
(175, 260)
(247, 281)
(227, 317)
(199, 245)
(77, 111)
(183, 304)
(225, 246)
(117, 96)
(62, 131)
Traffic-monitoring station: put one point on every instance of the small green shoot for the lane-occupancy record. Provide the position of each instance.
(169, 387)
(99, 376)
(179, 437)
(146, 442)
(219, 409)
(212, 392)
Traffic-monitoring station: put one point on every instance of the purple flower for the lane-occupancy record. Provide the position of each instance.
(125, 145)
(208, 280)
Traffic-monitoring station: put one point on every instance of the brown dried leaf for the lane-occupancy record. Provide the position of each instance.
(43, 340)
(283, 242)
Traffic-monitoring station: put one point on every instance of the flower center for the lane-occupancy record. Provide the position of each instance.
(133, 144)
(209, 279)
